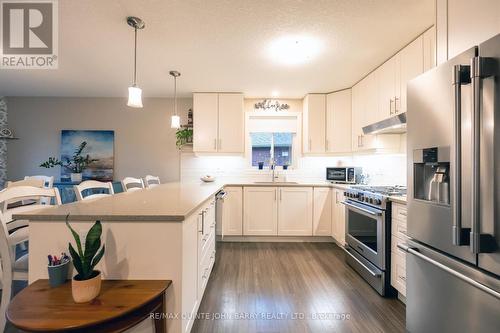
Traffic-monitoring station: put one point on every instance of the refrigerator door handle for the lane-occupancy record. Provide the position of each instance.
(481, 67)
(456, 274)
(461, 75)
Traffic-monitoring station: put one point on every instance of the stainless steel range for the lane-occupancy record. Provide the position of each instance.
(368, 233)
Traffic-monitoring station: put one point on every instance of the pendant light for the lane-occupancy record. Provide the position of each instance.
(176, 120)
(134, 92)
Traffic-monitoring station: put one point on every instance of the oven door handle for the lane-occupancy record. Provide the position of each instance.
(360, 209)
(374, 274)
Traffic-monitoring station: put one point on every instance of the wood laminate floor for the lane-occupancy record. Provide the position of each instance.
(291, 287)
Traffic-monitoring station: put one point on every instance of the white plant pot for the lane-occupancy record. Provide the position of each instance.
(86, 290)
(76, 177)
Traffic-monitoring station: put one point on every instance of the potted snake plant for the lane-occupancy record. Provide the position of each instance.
(86, 285)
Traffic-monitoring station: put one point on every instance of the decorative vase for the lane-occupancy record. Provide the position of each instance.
(285, 167)
(76, 177)
(86, 290)
(261, 165)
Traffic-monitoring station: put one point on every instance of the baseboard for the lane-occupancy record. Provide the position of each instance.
(297, 239)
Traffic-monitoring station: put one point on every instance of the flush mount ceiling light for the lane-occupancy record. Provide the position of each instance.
(176, 120)
(134, 92)
(294, 50)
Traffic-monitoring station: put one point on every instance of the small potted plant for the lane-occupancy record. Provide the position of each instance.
(86, 285)
(183, 137)
(77, 163)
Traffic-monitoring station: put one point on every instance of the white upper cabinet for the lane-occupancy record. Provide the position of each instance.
(322, 212)
(231, 123)
(314, 118)
(260, 211)
(394, 74)
(218, 123)
(429, 48)
(412, 65)
(469, 23)
(388, 80)
(338, 121)
(205, 122)
(295, 211)
(364, 112)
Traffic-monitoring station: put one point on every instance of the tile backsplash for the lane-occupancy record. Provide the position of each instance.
(380, 168)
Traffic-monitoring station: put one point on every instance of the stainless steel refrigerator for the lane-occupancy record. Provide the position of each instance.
(453, 257)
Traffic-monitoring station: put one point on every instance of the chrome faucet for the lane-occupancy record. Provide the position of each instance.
(272, 165)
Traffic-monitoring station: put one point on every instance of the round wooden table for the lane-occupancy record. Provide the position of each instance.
(121, 305)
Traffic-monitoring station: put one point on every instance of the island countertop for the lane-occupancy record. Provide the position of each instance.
(166, 202)
(169, 202)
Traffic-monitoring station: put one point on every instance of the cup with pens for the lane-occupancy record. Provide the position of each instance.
(58, 269)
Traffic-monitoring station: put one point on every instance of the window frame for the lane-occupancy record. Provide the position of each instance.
(296, 136)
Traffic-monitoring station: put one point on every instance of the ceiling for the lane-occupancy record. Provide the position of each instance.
(219, 45)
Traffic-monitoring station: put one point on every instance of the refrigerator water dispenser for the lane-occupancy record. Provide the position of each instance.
(431, 169)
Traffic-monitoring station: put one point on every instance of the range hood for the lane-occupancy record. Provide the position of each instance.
(392, 125)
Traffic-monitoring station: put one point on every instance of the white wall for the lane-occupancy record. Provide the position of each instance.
(144, 141)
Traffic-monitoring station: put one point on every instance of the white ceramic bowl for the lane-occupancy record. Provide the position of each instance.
(208, 179)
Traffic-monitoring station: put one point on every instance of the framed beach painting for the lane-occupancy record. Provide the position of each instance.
(99, 147)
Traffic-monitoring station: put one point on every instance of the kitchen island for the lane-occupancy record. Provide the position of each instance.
(166, 232)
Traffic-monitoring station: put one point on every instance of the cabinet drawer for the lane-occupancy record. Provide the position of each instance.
(398, 273)
(398, 222)
(399, 212)
(394, 244)
(398, 265)
(204, 270)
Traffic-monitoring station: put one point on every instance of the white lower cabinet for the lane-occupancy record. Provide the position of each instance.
(198, 259)
(232, 213)
(295, 211)
(206, 245)
(260, 211)
(277, 211)
(322, 211)
(338, 216)
(398, 256)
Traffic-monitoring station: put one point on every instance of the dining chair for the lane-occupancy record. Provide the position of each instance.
(15, 232)
(48, 181)
(130, 184)
(151, 181)
(34, 182)
(83, 189)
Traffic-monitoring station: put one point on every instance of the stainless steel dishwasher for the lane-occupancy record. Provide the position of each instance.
(219, 209)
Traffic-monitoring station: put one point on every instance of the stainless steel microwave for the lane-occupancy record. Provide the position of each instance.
(345, 175)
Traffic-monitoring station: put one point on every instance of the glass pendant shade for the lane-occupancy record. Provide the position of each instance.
(176, 122)
(134, 97)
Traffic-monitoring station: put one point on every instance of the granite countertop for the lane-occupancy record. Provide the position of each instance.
(398, 198)
(172, 202)
(167, 202)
